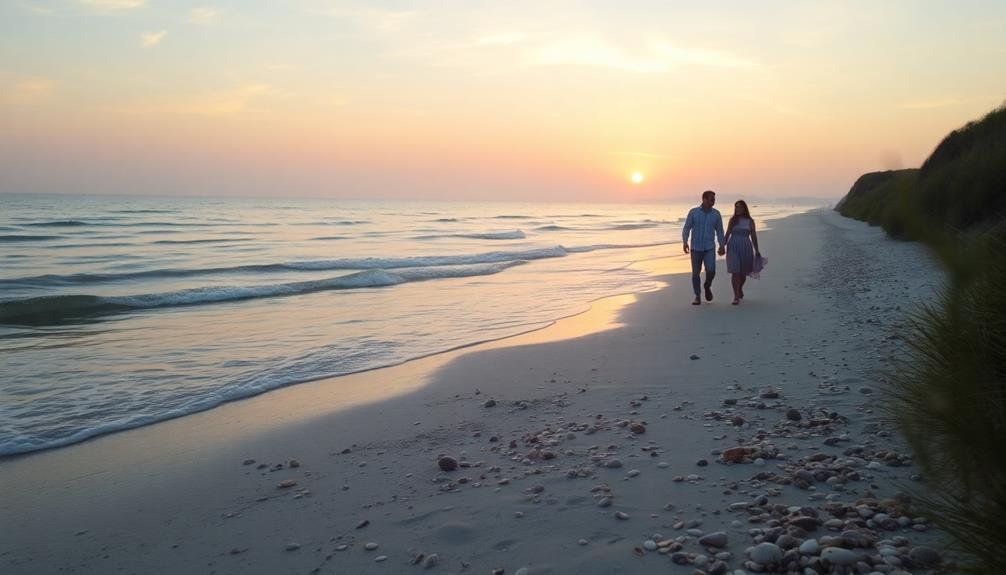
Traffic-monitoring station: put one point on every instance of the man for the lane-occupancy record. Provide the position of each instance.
(703, 223)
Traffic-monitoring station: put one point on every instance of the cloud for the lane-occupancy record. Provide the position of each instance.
(714, 58)
(929, 104)
(203, 15)
(656, 58)
(218, 104)
(37, 9)
(597, 53)
(29, 92)
(500, 39)
(151, 39)
(113, 4)
(380, 20)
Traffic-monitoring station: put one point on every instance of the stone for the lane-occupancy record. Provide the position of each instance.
(693, 357)
(650, 545)
(805, 523)
(734, 454)
(765, 553)
(292, 546)
(447, 463)
(702, 463)
(793, 415)
(431, 561)
(621, 515)
(286, 484)
(810, 547)
(637, 428)
(613, 463)
(839, 556)
(715, 539)
(489, 403)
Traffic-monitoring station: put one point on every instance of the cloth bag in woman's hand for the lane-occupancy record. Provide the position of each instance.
(759, 264)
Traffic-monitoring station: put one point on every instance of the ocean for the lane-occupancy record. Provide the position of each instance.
(117, 312)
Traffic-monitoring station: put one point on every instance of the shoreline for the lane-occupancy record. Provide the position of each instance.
(176, 495)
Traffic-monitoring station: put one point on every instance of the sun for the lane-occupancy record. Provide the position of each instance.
(637, 177)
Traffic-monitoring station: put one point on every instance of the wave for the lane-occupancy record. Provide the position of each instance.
(634, 226)
(27, 238)
(57, 224)
(512, 217)
(514, 235)
(55, 310)
(552, 228)
(370, 263)
(331, 238)
(595, 247)
(202, 241)
(446, 220)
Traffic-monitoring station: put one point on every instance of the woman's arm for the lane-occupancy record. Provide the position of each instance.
(754, 238)
(730, 228)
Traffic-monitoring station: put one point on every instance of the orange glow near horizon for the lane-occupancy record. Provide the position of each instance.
(543, 103)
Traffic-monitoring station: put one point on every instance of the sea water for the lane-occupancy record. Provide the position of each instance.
(117, 312)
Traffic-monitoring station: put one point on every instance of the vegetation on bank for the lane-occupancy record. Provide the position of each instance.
(947, 395)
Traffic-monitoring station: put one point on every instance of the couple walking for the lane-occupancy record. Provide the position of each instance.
(740, 244)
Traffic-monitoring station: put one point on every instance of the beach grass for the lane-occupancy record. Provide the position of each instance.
(947, 394)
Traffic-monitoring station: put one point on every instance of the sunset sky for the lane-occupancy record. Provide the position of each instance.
(463, 99)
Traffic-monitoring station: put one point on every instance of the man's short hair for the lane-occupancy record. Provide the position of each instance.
(708, 193)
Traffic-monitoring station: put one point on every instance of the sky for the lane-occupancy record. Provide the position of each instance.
(471, 100)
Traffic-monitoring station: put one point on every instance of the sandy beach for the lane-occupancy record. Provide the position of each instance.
(643, 436)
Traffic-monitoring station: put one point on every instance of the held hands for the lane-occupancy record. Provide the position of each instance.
(722, 250)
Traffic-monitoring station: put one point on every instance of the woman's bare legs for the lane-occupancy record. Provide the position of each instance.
(740, 285)
(736, 280)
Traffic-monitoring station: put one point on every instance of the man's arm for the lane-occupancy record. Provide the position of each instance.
(687, 230)
(719, 234)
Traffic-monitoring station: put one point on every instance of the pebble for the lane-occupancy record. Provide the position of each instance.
(613, 463)
(765, 553)
(650, 545)
(447, 463)
(702, 463)
(839, 556)
(633, 473)
(489, 403)
(810, 547)
(621, 515)
(637, 428)
(370, 546)
(523, 571)
(292, 546)
(693, 356)
(583, 542)
(380, 558)
(431, 561)
(793, 415)
(715, 539)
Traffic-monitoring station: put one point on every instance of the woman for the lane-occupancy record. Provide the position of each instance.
(742, 248)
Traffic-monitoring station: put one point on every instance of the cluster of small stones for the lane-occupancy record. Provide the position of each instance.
(540, 451)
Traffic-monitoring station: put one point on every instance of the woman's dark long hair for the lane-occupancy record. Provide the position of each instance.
(744, 214)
